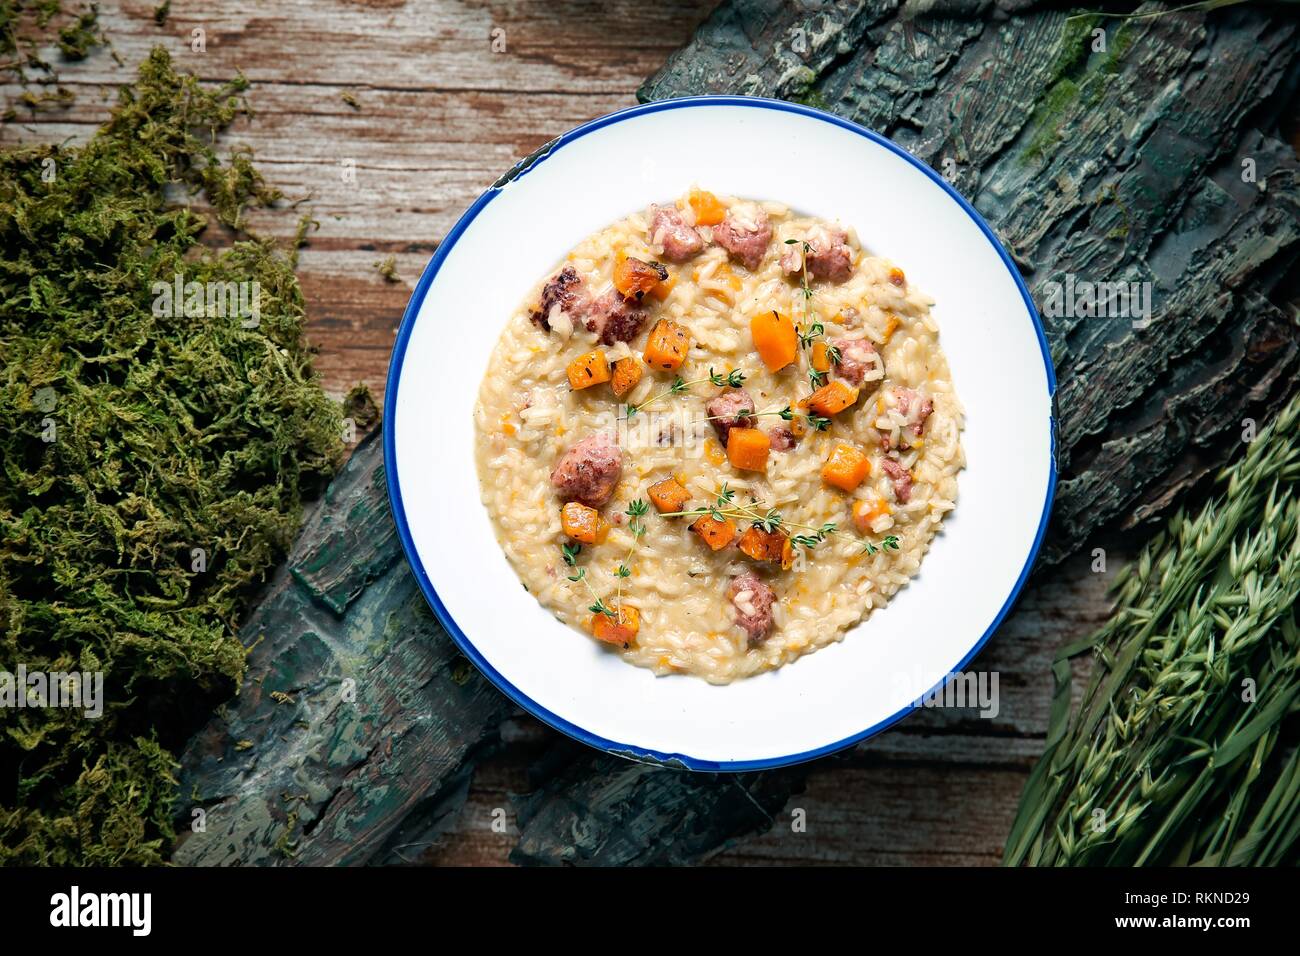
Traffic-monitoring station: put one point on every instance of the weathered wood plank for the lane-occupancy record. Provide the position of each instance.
(441, 117)
(358, 719)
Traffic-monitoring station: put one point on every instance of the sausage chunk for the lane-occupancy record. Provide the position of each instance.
(781, 437)
(590, 470)
(857, 357)
(745, 234)
(566, 292)
(668, 230)
(828, 254)
(914, 410)
(901, 477)
(615, 319)
(753, 599)
(731, 409)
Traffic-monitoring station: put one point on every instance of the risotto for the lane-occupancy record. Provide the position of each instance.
(718, 436)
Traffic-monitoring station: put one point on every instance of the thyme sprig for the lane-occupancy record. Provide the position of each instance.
(744, 415)
(888, 543)
(805, 288)
(733, 379)
(598, 605)
(635, 511)
(769, 520)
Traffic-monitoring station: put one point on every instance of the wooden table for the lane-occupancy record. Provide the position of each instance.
(440, 115)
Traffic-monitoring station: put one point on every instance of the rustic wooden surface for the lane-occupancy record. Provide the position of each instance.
(441, 117)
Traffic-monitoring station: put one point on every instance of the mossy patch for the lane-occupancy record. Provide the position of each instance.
(153, 461)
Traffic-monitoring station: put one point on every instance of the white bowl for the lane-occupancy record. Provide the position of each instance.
(818, 164)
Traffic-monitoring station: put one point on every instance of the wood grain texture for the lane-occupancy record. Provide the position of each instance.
(441, 117)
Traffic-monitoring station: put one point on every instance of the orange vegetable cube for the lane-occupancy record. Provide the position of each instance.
(709, 210)
(669, 495)
(620, 629)
(634, 277)
(773, 546)
(716, 534)
(846, 466)
(747, 448)
(667, 346)
(831, 398)
(582, 523)
(867, 510)
(661, 289)
(626, 376)
(588, 369)
(897, 278)
(775, 339)
(821, 357)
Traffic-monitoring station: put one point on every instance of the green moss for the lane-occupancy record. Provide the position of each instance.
(131, 439)
(1046, 122)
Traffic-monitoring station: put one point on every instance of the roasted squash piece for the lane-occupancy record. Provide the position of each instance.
(716, 534)
(588, 369)
(667, 346)
(668, 495)
(661, 289)
(626, 375)
(821, 357)
(582, 523)
(621, 629)
(775, 339)
(634, 277)
(707, 207)
(832, 398)
(747, 448)
(773, 546)
(846, 466)
(867, 510)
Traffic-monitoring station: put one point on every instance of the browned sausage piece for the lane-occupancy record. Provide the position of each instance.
(731, 409)
(745, 234)
(615, 319)
(589, 471)
(564, 291)
(901, 477)
(669, 231)
(753, 599)
(781, 437)
(856, 358)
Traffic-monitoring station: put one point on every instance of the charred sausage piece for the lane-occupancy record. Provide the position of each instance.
(668, 230)
(745, 234)
(564, 291)
(615, 319)
(753, 599)
(732, 409)
(590, 470)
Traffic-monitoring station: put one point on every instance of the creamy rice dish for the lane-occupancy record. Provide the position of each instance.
(718, 436)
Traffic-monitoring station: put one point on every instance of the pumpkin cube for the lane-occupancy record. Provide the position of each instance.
(583, 524)
(588, 369)
(626, 375)
(747, 448)
(846, 466)
(832, 398)
(669, 495)
(667, 346)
